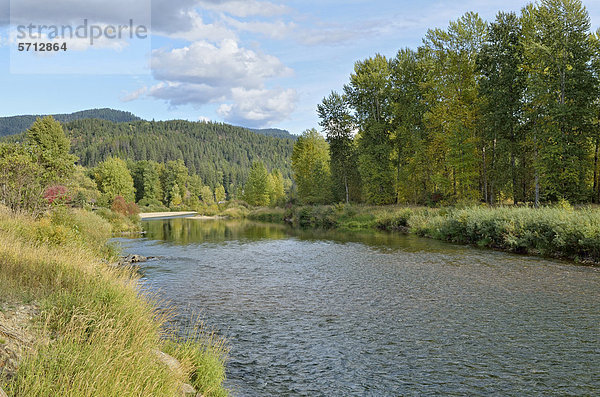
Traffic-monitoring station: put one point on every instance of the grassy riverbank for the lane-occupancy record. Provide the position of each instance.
(94, 332)
(561, 232)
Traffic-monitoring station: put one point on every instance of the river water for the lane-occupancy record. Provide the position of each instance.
(329, 314)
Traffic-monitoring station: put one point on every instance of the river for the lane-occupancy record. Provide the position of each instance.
(377, 314)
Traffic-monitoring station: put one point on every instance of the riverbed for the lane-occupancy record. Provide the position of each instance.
(377, 314)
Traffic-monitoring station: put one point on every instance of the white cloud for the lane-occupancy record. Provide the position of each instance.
(259, 107)
(128, 97)
(176, 93)
(198, 30)
(276, 30)
(216, 66)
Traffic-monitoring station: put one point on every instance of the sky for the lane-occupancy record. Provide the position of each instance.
(254, 63)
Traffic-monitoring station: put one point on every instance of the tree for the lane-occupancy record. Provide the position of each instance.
(146, 180)
(21, 182)
(338, 125)
(369, 94)
(453, 114)
(207, 195)
(113, 179)
(220, 194)
(276, 188)
(174, 180)
(502, 87)
(49, 144)
(256, 191)
(310, 163)
(409, 137)
(561, 89)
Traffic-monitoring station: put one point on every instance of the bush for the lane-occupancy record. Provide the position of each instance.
(57, 195)
(120, 206)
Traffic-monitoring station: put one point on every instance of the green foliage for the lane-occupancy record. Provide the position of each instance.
(256, 191)
(220, 195)
(502, 89)
(276, 188)
(220, 154)
(479, 112)
(207, 196)
(310, 162)
(338, 125)
(50, 146)
(369, 95)
(21, 185)
(146, 180)
(174, 182)
(17, 124)
(113, 179)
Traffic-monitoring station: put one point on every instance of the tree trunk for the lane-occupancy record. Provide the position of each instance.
(594, 194)
(485, 181)
(346, 186)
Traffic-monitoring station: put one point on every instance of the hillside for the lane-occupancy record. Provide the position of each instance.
(274, 132)
(17, 124)
(219, 153)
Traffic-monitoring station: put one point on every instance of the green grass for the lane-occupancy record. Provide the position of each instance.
(560, 231)
(97, 331)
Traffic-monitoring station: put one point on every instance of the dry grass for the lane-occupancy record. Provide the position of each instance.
(100, 330)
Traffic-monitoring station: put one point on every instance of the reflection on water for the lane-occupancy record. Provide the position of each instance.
(185, 231)
(378, 314)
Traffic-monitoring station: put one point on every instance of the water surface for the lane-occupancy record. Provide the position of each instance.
(315, 314)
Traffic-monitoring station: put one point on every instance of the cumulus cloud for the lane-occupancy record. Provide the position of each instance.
(204, 73)
(259, 107)
(224, 65)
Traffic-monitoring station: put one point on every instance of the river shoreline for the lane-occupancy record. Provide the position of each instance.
(561, 233)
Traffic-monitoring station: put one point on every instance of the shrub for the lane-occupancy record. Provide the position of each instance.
(119, 205)
(57, 194)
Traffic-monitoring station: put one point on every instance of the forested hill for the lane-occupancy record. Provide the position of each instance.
(17, 124)
(275, 132)
(219, 153)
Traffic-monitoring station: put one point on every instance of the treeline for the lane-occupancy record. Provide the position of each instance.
(41, 171)
(506, 111)
(220, 154)
(17, 124)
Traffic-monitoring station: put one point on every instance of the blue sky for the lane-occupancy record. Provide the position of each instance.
(255, 63)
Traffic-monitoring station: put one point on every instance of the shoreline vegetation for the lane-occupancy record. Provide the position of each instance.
(91, 328)
(560, 232)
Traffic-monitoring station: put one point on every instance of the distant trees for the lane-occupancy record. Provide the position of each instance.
(219, 154)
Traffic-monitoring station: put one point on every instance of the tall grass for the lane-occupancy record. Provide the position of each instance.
(97, 333)
(559, 231)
